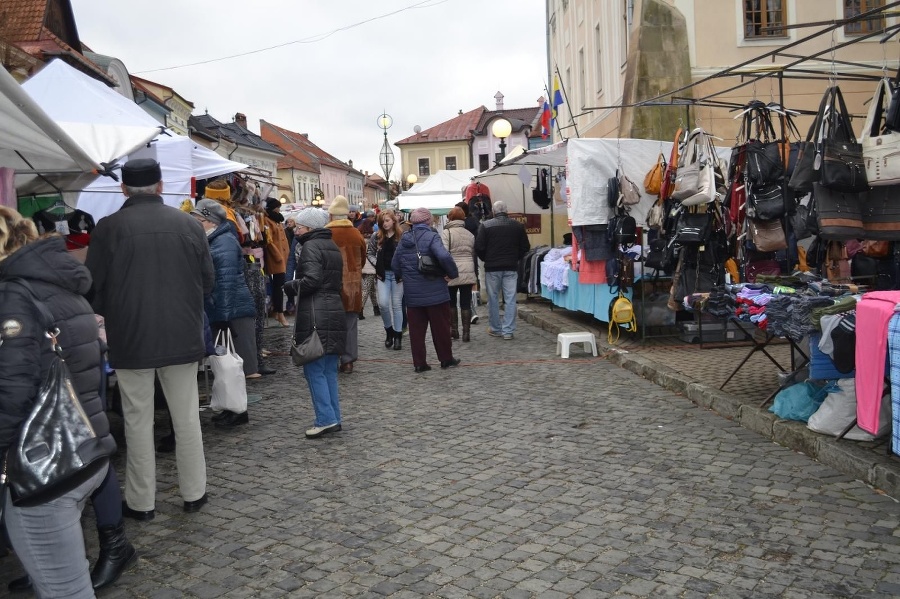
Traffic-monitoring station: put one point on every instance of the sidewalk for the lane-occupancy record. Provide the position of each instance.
(698, 373)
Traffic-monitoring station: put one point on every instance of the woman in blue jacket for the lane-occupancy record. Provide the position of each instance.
(230, 305)
(427, 297)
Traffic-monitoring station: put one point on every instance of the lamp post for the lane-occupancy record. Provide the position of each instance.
(501, 130)
(411, 180)
(318, 198)
(386, 156)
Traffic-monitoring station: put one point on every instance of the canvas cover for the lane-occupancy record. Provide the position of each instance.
(439, 192)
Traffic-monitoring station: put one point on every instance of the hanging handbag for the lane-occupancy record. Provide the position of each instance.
(767, 235)
(668, 182)
(311, 348)
(693, 228)
(837, 264)
(839, 214)
(806, 171)
(612, 191)
(654, 178)
(766, 200)
(57, 448)
(427, 265)
(880, 145)
(881, 213)
(842, 166)
(764, 162)
(629, 193)
(229, 390)
(656, 216)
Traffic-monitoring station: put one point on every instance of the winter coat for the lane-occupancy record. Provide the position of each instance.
(277, 248)
(501, 242)
(60, 282)
(461, 245)
(352, 245)
(231, 298)
(318, 284)
(291, 271)
(151, 268)
(419, 290)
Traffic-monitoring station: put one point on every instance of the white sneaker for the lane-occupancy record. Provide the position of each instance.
(317, 431)
(474, 319)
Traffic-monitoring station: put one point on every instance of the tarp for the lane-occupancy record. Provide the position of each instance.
(439, 193)
(589, 164)
(504, 179)
(31, 141)
(179, 157)
(105, 124)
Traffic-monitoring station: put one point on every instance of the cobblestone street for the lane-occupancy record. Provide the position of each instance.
(518, 474)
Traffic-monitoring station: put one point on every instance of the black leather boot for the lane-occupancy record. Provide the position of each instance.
(454, 323)
(466, 324)
(389, 338)
(398, 335)
(116, 555)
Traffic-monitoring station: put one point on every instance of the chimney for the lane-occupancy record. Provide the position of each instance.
(499, 97)
(241, 119)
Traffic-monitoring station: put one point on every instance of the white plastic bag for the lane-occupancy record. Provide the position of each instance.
(838, 411)
(229, 390)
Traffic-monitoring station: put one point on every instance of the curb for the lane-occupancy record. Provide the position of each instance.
(868, 465)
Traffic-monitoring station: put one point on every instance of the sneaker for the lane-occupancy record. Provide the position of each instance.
(508, 336)
(494, 333)
(474, 319)
(317, 431)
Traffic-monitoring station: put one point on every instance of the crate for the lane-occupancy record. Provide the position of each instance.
(713, 332)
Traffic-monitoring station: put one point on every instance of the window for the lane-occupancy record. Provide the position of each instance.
(483, 162)
(598, 43)
(498, 157)
(764, 18)
(855, 7)
(626, 31)
(450, 163)
(424, 167)
(582, 79)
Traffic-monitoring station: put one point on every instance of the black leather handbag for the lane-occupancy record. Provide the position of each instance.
(427, 265)
(767, 200)
(57, 448)
(693, 228)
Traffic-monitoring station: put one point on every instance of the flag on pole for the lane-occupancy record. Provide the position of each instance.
(545, 120)
(557, 100)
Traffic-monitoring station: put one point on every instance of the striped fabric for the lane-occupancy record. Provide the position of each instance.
(894, 354)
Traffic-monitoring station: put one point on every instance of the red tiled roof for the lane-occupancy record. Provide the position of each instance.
(143, 82)
(519, 117)
(299, 147)
(458, 128)
(52, 46)
(138, 83)
(22, 20)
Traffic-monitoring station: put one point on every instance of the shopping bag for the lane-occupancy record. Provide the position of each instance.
(229, 390)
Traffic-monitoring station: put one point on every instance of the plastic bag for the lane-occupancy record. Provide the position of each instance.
(838, 411)
(229, 390)
(799, 402)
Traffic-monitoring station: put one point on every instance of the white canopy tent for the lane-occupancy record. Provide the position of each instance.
(439, 193)
(104, 124)
(44, 156)
(180, 159)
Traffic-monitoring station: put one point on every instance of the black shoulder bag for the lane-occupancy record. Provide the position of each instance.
(428, 266)
(57, 448)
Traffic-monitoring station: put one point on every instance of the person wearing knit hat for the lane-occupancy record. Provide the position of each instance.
(427, 295)
(353, 251)
(320, 311)
(276, 256)
(210, 211)
(217, 190)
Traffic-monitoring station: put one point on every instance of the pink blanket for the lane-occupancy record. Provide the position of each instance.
(873, 313)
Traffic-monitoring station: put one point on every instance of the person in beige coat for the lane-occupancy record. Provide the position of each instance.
(460, 242)
(353, 252)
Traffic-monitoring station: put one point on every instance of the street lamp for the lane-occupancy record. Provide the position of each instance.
(501, 130)
(386, 156)
(318, 198)
(411, 180)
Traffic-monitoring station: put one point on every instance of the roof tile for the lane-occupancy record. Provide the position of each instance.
(456, 129)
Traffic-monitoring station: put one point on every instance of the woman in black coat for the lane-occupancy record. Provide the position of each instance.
(317, 288)
(48, 538)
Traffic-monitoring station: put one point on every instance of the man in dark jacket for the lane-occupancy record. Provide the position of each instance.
(151, 268)
(501, 242)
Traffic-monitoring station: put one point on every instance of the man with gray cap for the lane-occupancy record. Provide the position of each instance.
(151, 269)
(501, 242)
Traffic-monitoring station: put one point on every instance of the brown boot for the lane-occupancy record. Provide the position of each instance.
(466, 317)
(454, 323)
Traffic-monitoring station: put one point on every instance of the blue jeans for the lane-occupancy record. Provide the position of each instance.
(505, 281)
(390, 301)
(321, 376)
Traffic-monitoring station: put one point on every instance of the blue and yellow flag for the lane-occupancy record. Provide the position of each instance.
(557, 100)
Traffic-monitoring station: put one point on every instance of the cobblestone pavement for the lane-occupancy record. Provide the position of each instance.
(518, 474)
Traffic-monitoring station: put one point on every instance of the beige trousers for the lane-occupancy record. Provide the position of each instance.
(179, 383)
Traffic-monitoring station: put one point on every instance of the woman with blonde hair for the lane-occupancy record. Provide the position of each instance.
(389, 285)
(460, 242)
(47, 538)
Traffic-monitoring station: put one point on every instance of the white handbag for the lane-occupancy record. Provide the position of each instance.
(229, 390)
(881, 149)
(695, 180)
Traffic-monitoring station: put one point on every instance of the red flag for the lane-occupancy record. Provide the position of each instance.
(545, 121)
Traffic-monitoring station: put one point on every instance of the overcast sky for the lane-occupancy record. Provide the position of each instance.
(355, 59)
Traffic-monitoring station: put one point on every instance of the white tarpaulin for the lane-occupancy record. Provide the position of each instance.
(439, 193)
(179, 157)
(589, 164)
(105, 124)
(31, 143)
(504, 179)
